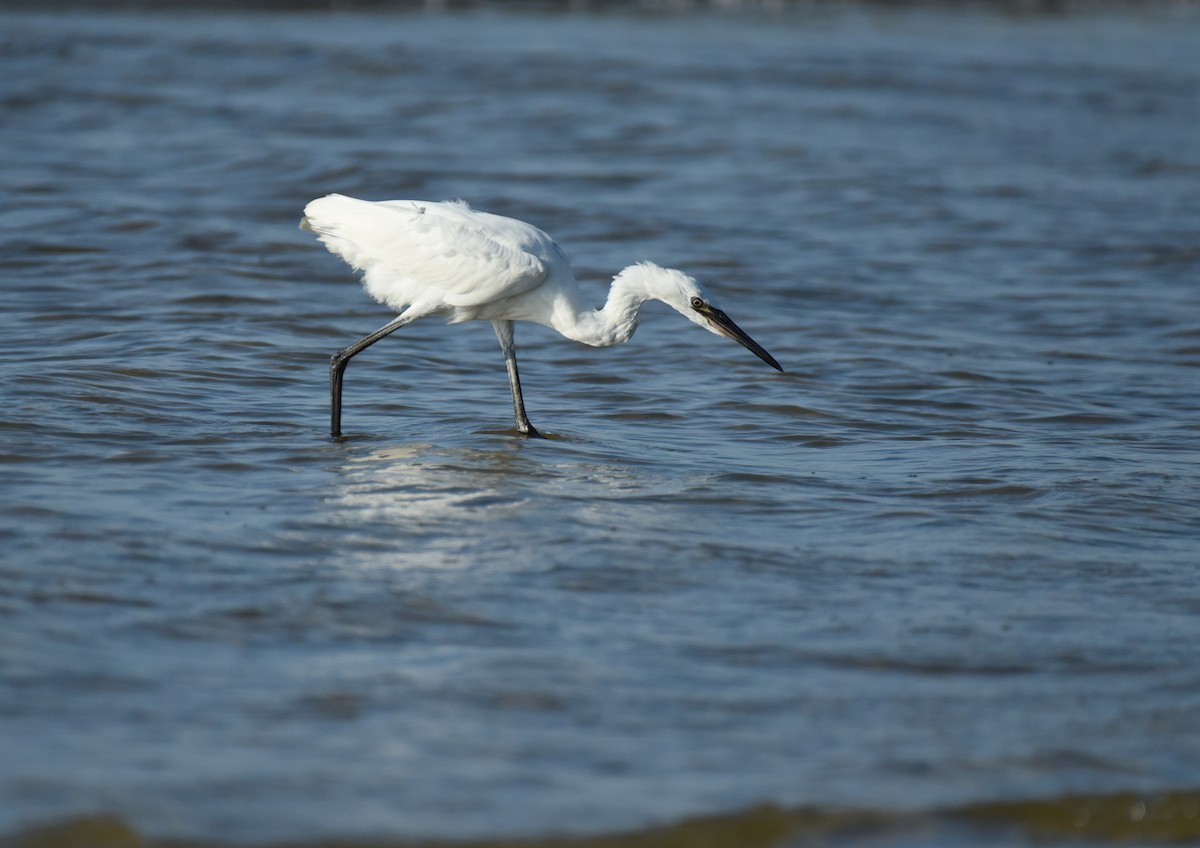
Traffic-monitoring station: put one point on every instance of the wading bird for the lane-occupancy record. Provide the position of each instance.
(424, 258)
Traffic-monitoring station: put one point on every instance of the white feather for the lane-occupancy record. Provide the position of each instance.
(426, 258)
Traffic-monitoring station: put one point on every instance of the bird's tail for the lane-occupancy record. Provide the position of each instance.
(347, 226)
(320, 215)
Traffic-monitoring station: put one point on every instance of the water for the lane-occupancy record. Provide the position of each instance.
(937, 582)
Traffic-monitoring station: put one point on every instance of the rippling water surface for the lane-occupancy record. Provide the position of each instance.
(948, 561)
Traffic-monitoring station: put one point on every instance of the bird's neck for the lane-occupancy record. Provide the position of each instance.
(614, 322)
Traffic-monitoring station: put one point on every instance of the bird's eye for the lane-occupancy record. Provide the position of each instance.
(697, 303)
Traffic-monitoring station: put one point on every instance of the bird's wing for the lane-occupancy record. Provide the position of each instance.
(432, 254)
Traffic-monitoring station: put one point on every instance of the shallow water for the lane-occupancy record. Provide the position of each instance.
(948, 559)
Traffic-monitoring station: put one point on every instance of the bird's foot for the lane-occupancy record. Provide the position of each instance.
(529, 431)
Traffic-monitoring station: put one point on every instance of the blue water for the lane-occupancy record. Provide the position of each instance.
(949, 557)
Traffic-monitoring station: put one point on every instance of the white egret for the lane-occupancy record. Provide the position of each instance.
(427, 258)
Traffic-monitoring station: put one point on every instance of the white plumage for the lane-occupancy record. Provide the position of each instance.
(431, 255)
(426, 258)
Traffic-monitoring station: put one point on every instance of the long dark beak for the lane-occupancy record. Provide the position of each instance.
(724, 325)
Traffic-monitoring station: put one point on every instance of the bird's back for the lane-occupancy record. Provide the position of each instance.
(425, 257)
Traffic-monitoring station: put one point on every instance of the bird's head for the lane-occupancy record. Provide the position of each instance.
(692, 301)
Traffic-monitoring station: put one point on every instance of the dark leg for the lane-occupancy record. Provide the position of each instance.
(337, 368)
(504, 332)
